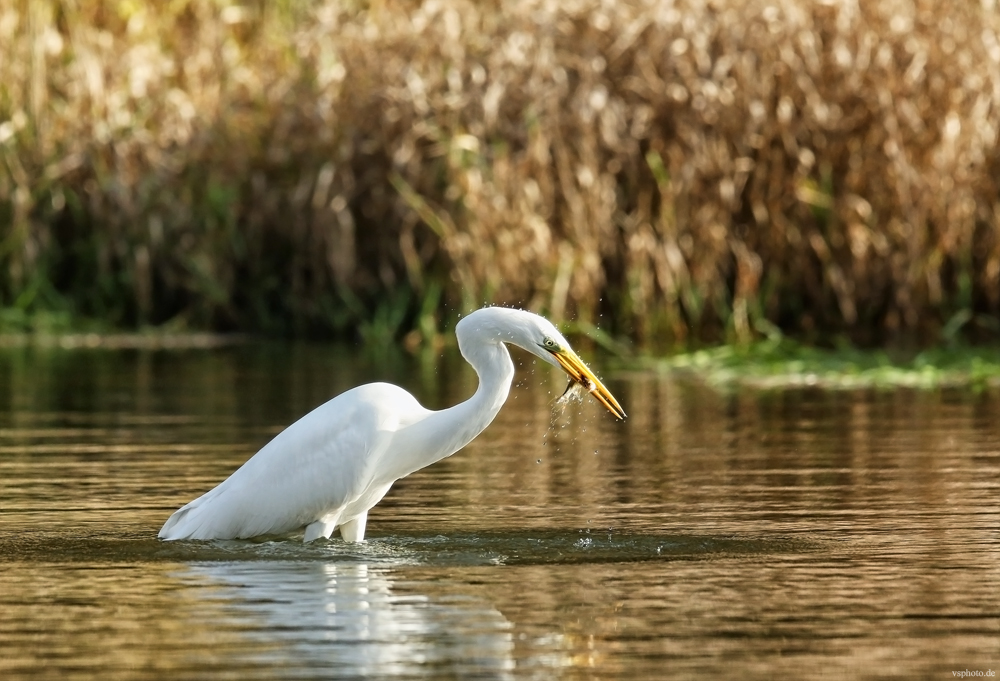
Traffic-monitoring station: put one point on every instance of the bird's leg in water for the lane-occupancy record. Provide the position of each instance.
(354, 530)
(321, 528)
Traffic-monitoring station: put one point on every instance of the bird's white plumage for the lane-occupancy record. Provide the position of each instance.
(319, 464)
(330, 467)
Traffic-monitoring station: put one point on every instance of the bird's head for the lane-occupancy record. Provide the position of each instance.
(540, 337)
(555, 350)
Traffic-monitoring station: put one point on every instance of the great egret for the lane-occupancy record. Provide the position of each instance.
(330, 467)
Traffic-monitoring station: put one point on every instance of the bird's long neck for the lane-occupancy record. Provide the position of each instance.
(451, 429)
(468, 419)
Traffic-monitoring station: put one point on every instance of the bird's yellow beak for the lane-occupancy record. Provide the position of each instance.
(579, 372)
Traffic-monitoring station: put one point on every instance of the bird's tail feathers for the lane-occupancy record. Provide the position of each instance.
(186, 522)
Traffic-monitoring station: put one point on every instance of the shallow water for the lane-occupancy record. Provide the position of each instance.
(797, 534)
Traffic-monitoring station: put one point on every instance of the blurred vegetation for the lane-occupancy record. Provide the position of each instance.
(671, 172)
(785, 364)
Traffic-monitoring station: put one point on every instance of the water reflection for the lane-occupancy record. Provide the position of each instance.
(774, 534)
(350, 621)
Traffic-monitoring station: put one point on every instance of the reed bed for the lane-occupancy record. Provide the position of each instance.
(671, 171)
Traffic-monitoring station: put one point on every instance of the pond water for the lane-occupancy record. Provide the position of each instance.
(759, 535)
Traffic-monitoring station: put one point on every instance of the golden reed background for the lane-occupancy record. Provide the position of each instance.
(670, 170)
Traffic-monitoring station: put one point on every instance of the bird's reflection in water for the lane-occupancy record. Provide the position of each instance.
(345, 621)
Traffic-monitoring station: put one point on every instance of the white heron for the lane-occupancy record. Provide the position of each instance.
(329, 468)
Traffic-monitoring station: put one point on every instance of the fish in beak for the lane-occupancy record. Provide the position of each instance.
(579, 373)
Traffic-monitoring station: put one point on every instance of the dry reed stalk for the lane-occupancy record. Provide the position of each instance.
(686, 169)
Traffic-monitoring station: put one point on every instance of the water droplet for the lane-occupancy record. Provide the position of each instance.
(538, 460)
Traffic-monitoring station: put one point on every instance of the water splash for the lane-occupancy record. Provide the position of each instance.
(574, 394)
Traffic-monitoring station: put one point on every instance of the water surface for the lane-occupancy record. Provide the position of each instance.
(798, 534)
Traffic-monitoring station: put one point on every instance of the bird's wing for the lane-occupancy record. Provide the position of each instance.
(315, 466)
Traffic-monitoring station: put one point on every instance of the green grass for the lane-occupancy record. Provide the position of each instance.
(784, 364)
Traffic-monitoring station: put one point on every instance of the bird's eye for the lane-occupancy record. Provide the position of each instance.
(550, 344)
